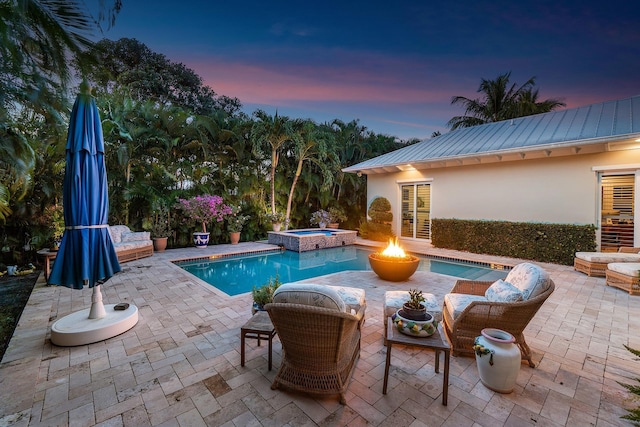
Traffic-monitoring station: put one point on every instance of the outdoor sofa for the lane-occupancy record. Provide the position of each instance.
(507, 304)
(130, 245)
(624, 275)
(595, 263)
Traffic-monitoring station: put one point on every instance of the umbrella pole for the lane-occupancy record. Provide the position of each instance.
(97, 307)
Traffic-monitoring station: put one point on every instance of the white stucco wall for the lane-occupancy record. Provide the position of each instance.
(554, 190)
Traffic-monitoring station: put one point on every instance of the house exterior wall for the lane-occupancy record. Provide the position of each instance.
(553, 190)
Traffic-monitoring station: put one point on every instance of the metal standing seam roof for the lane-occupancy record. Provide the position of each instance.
(581, 126)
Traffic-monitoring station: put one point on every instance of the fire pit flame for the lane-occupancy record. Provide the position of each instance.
(393, 250)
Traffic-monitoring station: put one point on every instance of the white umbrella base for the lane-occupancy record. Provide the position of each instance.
(77, 329)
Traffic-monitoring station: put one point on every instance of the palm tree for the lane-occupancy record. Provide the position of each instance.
(275, 132)
(501, 101)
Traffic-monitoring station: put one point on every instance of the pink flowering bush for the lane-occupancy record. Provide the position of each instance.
(204, 210)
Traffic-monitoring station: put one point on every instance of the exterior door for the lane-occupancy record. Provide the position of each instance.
(617, 211)
(416, 211)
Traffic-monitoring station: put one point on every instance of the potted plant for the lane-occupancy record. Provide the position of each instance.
(337, 216)
(235, 222)
(276, 220)
(264, 294)
(414, 309)
(320, 218)
(203, 210)
(160, 227)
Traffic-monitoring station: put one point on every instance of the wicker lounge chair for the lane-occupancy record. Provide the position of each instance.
(467, 311)
(320, 340)
(624, 275)
(595, 263)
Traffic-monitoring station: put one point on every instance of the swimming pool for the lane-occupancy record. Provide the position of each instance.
(238, 274)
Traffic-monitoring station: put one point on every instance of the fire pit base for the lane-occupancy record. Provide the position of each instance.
(393, 269)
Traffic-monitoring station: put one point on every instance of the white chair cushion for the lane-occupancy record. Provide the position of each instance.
(501, 291)
(309, 294)
(626, 268)
(607, 257)
(456, 303)
(354, 298)
(116, 232)
(531, 279)
(136, 236)
(393, 301)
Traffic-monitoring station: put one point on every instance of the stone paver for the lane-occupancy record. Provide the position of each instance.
(180, 365)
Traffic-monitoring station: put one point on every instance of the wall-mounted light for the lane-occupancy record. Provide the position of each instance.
(359, 173)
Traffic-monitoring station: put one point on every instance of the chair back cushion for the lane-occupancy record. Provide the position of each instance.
(501, 291)
(309, 294)
(136, 236)
(116, 232)
(531, 279)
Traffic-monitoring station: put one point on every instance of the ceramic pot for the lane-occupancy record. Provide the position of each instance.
(333, 225)
(414, 328)
(160, 244)
(322, 225)
(234, 236)
(498, 359)
(414, 313)
(276, 226)
(200, 239)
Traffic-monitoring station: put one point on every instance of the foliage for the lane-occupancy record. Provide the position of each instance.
(502, 101)
(555, 243)
(160, 221)
(374, 231)
(337, 215)
(235, 220)
(203, 210)
(415, 299)
(320, 217)
(55, 218)
(275, 218)
(380, 211)
(264, 294)
(634, 414)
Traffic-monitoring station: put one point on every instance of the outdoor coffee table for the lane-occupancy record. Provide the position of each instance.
(259, 327)
(436, 342)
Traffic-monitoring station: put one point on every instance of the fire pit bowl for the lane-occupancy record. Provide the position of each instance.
(393, 269)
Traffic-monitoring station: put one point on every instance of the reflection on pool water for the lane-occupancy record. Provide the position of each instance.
(311, 232)
(236, 275)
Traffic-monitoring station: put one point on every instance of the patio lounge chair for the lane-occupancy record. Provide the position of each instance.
(472, 306)
(624, 275)
(320, 339)
(595, 263)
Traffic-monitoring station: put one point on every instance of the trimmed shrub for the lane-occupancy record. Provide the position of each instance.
(555, 243)
(380, 211)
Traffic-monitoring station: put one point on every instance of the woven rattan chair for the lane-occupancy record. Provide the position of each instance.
(512, 317)
(320, 348)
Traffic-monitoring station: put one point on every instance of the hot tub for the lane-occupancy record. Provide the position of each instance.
(308, 239)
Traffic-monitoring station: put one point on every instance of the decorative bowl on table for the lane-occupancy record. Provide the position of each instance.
(415, 328)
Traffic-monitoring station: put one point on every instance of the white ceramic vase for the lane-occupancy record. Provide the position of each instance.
(498, 359)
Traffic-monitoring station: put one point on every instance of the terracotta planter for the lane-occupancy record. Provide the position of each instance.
(200, 239)
(498, 359)
(333, 225)
(234, 236)
(393, 269)
(160, 244)
(276, 226)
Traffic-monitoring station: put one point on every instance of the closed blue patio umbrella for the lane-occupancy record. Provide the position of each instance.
(86, 256)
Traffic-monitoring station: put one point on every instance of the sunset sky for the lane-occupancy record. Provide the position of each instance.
(392, 65)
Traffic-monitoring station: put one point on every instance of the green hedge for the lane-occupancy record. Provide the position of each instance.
(555, 243)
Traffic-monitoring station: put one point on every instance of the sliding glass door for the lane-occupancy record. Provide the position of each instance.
(617, 211)
(416, 211)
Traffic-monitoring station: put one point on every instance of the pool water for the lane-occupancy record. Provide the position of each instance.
(311, 232)
(236, 275)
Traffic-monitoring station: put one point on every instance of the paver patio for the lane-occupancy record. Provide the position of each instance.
(180, 365)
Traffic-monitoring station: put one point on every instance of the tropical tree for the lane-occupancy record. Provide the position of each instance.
(312, 145)
(270, 133)
(149, 75)
(501, 100)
